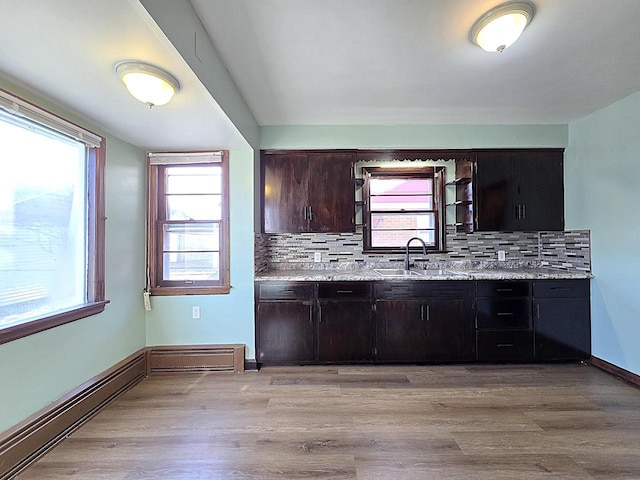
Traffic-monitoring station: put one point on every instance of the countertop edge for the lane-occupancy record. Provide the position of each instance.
(371, 276)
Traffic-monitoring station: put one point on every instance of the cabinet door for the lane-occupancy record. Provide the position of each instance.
(285, 332)
(345, 331)
(539, 191)
(493, 191)
(284, 193)
(331, 192)
(449, 329)
(562, 328)
(401, 331)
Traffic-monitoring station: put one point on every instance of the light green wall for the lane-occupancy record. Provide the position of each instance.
(602, 194)
(224, 318)
(36, 370)
(413, 136)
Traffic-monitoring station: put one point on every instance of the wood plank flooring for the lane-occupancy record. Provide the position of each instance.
(390, 423)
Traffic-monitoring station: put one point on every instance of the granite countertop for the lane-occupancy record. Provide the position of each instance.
(517, 272)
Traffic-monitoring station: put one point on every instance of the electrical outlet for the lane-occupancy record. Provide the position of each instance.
(317, 257)
(502, 256)
(195, 312)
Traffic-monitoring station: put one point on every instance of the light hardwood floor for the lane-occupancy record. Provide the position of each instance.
(391, 423)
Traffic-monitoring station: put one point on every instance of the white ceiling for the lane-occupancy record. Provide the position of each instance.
(66, 51)
(310, 62)
(302, 62)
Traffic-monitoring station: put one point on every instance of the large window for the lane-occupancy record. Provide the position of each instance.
(402, 203)
(51, 220)
(188, 238)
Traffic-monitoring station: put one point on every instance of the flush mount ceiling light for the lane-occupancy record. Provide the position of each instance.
(149, 84)
(501, 26)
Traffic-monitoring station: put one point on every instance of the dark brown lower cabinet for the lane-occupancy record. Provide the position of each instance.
(286, 332)
(424, 322)
(395, 319)
(561, 319)
(429, 330)
(285, 322)
(503, 321)
(345, 331)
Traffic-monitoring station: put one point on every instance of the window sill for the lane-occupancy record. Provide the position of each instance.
(39, 325)
(175, 291)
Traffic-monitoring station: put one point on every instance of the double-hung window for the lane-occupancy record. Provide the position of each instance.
(188, 237)
(51, 220)
(402, 203)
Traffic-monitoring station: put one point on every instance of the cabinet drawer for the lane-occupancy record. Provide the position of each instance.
(508, 313)
(390, 290)
(504, 345)
(285, 291)
(344, 290)
(503, 289)
(561, 288)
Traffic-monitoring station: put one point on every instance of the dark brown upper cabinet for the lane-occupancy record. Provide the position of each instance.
(518, 190)
(307, 192)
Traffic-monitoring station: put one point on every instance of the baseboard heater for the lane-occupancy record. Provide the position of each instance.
(195, 359)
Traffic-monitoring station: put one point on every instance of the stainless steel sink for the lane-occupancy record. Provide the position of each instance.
(396, 272)
(436, 272)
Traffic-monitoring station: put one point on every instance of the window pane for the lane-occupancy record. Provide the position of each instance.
(194, 179)
(402, 202)
(402, 221)
(191, 266)
(43, 222)
(400, 186)
(194, 207)
(399, 238)
(191, 237)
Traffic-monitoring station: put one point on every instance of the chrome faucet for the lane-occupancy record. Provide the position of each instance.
(406, 256)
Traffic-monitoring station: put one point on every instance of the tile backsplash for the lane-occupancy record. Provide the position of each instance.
(563, 250)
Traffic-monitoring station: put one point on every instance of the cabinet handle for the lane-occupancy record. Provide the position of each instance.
(305, 213)
(344, 291)
(422, 313)
(310, 314)
(538, 311)
(524, 211)
(428, 313)
(504, 345)
(310, 213)
(319, 313)
(505, 314)
(504, 289)
(518, 212)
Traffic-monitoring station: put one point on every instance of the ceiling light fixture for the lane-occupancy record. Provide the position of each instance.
(149, 84)
(501, 26)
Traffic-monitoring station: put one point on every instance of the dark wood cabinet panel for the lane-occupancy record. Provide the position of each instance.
(345, 331)
(285, 194)
(449, 330)
(401, 331)
(308, 192)
(562, 320)
(504, 345)
(540, 191)
(493, 187)
(503, 321)
(424, 322)
(521, 190)
(503, 313)
(331, 192)
(285, 332)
